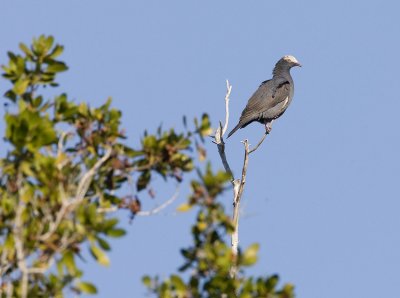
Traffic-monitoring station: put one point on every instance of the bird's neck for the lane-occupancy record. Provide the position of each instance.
(281, 71)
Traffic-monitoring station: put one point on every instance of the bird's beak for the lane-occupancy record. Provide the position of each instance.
(298, 64)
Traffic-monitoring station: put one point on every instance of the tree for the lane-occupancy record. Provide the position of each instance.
(60, 178)
(61, 181)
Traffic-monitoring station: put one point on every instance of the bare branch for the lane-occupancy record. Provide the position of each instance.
(238, 184)
(19, 241)
(4, 264)
(259, 143)
(107, 210)
(221, 150)
(238, 191)
(227, 95)
(60, 148)
(88, 177)
(221, 131)
(69, 205)
(161, 207)
(9, 290)
(41, 270)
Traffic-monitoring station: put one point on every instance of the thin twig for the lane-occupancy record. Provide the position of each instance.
(259, 143)
(221, 131)
(107, 210)
(161, 207)
(227, 95)
(42, 270)
(221, 150)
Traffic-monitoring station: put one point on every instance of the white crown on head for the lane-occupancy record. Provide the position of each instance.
(290, 58)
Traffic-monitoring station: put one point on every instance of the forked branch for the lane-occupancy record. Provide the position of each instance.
(238, 184)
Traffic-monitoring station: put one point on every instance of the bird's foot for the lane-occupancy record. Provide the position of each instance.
(268, 127)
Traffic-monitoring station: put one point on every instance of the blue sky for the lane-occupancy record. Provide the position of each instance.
(322, 194)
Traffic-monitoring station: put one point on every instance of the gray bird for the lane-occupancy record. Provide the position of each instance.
(272, 98)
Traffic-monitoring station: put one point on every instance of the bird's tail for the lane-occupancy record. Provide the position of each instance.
(235, 129)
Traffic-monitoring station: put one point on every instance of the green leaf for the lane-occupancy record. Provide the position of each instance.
(25, 49)
(11, 95)
(87, 287)
(103, 244)
(56, 66)
(205, 127)
(143, 180)
(184, 207)
(146, 281)
(250, 255)
(20, 86)
(57, 51)
(110, 223)
(116, 233)
(69, 262)
(149, 142)
(271, 282)
(178, 283)
(48, 42)
(99, 255)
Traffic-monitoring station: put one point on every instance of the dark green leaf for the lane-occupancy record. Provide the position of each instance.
(116, 233)
(87, 287)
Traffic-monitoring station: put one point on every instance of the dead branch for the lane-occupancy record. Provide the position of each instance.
(238, 184)
(161, 207)
(236, 209)
(259, 143)
(19, 241)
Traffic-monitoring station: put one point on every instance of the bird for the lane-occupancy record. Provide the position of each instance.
(272, 97)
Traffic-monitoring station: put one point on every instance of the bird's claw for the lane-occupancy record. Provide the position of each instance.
(268, 127)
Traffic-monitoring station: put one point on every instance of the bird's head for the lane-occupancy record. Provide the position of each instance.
(284, 65)
(290, 61)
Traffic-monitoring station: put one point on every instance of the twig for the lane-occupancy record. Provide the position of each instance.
(88, 177)
(41, 270)
(221, 150)
(259, 143)
(107, 210)
(161, 207)
(219, 141)
(60, 148)
(227, 95)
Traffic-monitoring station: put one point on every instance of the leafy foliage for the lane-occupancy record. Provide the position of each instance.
(60, 178)
(210, 258)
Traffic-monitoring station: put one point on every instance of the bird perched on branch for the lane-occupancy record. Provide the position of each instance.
(272, 98)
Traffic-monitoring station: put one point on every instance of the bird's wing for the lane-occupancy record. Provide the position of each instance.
(266, 102)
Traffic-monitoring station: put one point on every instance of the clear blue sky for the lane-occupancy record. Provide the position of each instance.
(322, 196)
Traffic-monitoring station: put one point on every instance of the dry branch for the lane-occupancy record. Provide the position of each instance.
(238, 184)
